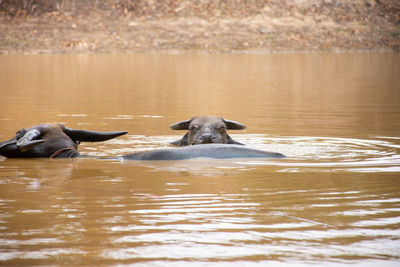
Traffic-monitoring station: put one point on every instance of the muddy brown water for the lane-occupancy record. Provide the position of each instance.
(334, 201)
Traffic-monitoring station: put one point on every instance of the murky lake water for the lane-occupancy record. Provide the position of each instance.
(335, 200)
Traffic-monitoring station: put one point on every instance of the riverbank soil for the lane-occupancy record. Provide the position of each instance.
(175, 26)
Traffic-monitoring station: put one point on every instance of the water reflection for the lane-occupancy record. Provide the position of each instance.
(311, 95)
(103, 210)
(203, 227)
(376, 154)
(334, 201)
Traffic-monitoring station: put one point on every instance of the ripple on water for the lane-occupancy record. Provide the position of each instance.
(321, 154)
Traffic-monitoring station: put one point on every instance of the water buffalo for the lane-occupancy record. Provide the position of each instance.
(57, 141)
(206, 130)
(51, 141)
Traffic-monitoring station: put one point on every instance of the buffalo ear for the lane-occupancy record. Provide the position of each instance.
(29, 145)
(29, 140)
(9, 142)
(8, 147)
(90, 136)
(182, 125)
(233, 125)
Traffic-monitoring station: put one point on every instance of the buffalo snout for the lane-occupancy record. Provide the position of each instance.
(207, 138)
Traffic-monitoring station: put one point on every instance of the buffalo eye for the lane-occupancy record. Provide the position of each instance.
(193, 128)
(221, 129)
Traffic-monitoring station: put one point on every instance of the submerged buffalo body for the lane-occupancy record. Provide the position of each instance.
(206, 130)
(57, 141)
(216, 151)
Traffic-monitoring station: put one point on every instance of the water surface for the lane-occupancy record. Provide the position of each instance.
(334, 201)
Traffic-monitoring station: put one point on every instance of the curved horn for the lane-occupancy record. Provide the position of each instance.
(90, 136)
(27, 141)
(233, 125)
(182, 125)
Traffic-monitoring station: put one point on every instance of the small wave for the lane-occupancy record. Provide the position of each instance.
(305, 153)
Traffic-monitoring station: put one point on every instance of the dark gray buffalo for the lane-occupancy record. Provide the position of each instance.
(206, 130)
(57, 141)
(50, 141)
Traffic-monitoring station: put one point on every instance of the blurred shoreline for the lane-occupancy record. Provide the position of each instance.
(204, 26)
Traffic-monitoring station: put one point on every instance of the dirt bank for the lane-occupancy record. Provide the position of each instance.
(94, 26)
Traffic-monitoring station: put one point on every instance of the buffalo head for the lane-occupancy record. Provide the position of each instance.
(49, 141)
(206, 130)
